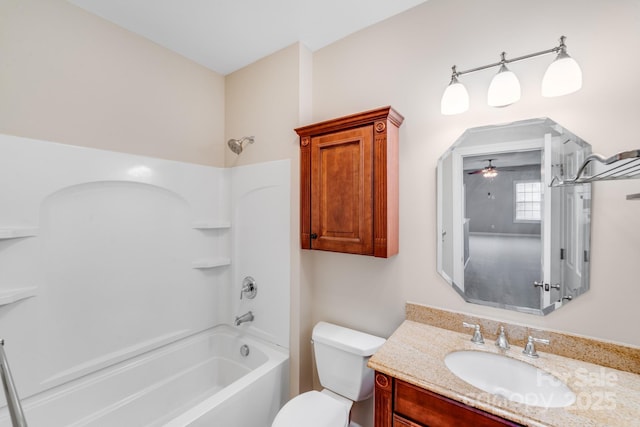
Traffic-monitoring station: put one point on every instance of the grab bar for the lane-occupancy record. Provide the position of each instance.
(10, 393)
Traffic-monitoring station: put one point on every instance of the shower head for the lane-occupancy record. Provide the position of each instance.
(235, 145)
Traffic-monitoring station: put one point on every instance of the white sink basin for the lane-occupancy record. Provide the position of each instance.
(510, 378)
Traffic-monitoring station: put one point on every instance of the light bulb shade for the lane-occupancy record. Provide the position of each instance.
(504, 88)
(455, 99)
(563, 76)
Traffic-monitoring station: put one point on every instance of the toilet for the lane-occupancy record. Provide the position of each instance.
(341, 359)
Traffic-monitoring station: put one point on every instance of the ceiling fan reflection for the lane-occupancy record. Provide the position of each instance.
(489, 171)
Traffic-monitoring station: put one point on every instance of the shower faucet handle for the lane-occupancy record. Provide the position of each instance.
(249, 288)
(477, 335)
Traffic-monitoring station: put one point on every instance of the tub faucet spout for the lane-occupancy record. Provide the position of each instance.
(247, 317)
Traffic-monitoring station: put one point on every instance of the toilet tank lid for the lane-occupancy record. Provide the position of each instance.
(346, 339)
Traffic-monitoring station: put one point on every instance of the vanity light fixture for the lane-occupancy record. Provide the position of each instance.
(561, 78)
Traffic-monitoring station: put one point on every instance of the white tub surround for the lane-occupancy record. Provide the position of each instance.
(108, 256)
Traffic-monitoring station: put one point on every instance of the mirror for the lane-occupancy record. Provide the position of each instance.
(506, 237)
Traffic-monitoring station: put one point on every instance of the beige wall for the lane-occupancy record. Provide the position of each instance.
(68, 76)
(405, 61)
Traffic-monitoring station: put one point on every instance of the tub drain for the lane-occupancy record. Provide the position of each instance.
(244, 350)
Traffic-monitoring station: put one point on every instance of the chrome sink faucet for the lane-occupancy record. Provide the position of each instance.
(502, 342)
(530, 349)
(247, 317)
(477, 335)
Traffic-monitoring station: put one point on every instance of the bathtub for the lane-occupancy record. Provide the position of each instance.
(219, 377)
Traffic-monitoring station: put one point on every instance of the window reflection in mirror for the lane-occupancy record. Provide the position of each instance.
(506, 238)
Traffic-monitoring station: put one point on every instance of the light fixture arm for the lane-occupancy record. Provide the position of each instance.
(560, 48)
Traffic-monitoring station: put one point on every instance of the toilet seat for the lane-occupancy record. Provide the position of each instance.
(313, 409)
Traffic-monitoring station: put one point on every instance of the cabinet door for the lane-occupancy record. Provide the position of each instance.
(342, 191)
(431, 409)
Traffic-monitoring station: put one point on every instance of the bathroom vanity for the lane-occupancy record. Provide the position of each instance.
(414, 387)
(398, 402)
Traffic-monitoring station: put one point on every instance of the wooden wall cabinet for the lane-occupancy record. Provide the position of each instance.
(398, 403)
(349, 184)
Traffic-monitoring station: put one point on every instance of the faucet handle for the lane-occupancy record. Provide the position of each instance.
(249, 287)
(477, 335)
(502, 340)
(530, 349)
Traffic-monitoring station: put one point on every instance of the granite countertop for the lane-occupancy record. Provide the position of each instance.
(605, 396)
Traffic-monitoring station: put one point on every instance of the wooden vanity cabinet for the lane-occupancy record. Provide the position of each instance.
(349, 184)
(398, 403)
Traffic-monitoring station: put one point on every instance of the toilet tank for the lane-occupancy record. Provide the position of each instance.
(341, 359)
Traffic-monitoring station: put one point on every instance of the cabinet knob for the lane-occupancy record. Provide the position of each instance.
(314, 236)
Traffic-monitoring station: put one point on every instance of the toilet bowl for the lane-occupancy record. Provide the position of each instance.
(314, 409)
(341, 359)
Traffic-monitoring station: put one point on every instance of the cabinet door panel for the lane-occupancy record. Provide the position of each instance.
(342, 191)
(434, 410)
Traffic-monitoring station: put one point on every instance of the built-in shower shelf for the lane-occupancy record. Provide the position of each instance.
(203, 264)
(17, 232)
(9, 296)
(211, 225)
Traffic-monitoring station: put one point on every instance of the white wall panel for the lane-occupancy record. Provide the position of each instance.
(261, 246)
(115, 239)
